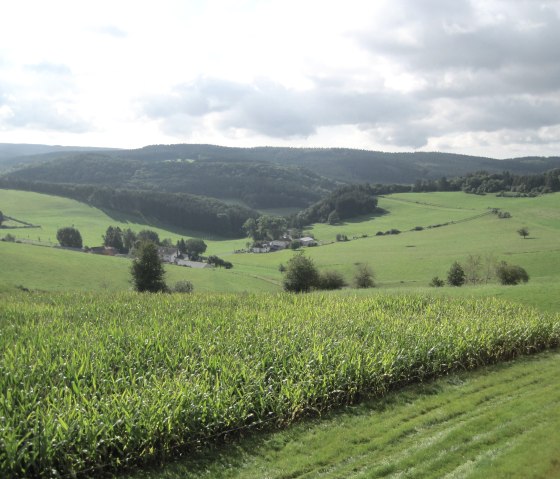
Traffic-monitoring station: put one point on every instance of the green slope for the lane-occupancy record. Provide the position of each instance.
(407, 260)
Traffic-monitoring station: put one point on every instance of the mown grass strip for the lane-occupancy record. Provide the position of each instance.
(105, 381)
(501, 421)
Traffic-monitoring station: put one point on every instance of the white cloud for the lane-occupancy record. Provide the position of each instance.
(467, 76)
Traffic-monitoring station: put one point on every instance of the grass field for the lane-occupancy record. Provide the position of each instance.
(407, 260)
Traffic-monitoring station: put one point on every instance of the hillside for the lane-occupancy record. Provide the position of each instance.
(261, 177)
(401, 262)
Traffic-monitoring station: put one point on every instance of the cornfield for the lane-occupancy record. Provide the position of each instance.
(90, 384)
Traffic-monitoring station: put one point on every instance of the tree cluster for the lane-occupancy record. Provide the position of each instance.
(301, 276)
(476, 270)
(219, 262)
(482, 182)
(345, 202)
(265, 227)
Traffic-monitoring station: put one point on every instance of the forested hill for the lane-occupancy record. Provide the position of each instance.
(351, 165)
(339, 164)
(259, 185)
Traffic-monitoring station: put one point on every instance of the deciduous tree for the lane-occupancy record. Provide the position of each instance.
(524, 232)
(194, 247)
(301, 274)
(69, 237)
(364, 277)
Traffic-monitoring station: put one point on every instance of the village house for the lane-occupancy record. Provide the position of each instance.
(192, 264)
(168, 255)
(308, 241)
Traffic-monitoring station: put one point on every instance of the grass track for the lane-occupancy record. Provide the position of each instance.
(502, 421)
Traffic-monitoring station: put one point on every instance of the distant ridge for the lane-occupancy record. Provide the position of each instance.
(333, 164)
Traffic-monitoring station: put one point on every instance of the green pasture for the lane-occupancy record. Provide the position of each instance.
(407, 260)
(52, 269)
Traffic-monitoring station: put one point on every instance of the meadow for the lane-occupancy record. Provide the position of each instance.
(91, 383)
(407, 261)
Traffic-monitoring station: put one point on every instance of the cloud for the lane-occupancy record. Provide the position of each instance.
(40, 114)
(276, 111)
(111, 31)
(51, 69)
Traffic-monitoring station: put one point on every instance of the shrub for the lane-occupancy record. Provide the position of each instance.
(341, 237)
(364, 277)
(330, 280)
(183, 287)
(296, 244)
(9, 237)
(437, 282)
(511, 274)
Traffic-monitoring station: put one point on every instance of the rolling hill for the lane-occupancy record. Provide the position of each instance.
(260, 177)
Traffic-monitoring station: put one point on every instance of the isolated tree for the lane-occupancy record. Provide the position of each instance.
(147, 269)
(301, 274)
(511, 274)
(524, 232)
(113, 238)
(194, 247)
(69, 237)
(1, 218)
(456, 275)
(472, 269)
(364, 277)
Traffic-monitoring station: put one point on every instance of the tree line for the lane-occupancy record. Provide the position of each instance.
(482, 182)
(343, 203)
(174, 209)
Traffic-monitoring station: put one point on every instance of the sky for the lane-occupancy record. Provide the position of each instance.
(478, 77)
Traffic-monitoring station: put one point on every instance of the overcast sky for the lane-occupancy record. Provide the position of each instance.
(474, 77)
